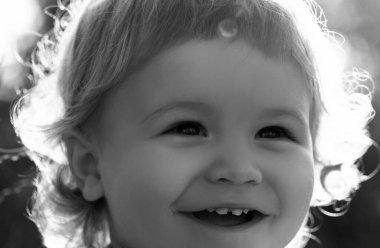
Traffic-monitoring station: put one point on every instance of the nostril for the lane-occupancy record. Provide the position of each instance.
(256, 177)
(241, 179)
(223, 180)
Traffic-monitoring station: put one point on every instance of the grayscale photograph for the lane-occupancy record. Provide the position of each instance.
(189, 124)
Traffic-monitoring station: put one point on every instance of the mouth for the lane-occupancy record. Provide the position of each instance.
(227, 217)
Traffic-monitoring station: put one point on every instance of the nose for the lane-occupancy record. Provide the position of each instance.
(235, 164)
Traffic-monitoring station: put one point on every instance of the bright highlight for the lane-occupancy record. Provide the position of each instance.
(16, 18)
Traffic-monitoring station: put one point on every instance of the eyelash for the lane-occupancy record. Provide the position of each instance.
(195, 129)
(278, 131)
(198, 127)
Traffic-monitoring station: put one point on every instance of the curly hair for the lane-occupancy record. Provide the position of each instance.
(95, 45)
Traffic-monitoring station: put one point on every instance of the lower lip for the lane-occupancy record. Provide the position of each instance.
(235, 228)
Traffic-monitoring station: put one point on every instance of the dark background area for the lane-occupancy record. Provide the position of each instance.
(357, 20)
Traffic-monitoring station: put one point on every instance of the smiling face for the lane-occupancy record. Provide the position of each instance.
(208, 146)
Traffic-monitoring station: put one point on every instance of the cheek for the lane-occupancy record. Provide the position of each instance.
(142, 184)
(149, 173)
(292, 177)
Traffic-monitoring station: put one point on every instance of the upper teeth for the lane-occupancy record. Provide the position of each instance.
(224, 211)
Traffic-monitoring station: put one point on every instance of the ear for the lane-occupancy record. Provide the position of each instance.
(83, 162)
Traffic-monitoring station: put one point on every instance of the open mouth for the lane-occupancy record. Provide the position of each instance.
(227, 217)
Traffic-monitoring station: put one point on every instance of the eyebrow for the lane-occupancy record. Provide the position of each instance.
(277, 112)
(294, 113)
(179, 105)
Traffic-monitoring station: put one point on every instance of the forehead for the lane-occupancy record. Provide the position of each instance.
(217, 73)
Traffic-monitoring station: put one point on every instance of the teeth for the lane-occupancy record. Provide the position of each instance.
(222, 211)
(237, 212)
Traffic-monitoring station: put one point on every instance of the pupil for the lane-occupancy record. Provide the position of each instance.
(189, 130)
(270, 133)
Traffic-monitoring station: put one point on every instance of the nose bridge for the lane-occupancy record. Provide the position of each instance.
(235, 162)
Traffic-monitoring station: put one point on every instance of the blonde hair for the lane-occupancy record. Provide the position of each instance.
(96, 45)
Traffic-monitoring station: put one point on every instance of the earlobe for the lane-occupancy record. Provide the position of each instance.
(83, 162)
(92, 189)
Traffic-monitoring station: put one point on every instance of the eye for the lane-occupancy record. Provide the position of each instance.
(187, 128)
(275, 132)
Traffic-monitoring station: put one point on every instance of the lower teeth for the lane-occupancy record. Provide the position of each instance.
(223, 220)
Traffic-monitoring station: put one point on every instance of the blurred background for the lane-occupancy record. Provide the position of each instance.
(21, 22)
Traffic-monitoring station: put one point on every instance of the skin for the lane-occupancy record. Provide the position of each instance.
(151, 166)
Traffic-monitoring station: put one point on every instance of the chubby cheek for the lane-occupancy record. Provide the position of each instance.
(147, 175)
(293, 180)
(291, 175)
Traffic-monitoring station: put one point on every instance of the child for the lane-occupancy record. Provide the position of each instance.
(172, 123)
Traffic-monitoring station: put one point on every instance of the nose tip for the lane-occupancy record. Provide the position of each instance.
(235, 162)
(239, 174)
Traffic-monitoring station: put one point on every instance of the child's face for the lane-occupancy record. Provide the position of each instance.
(207, 125)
